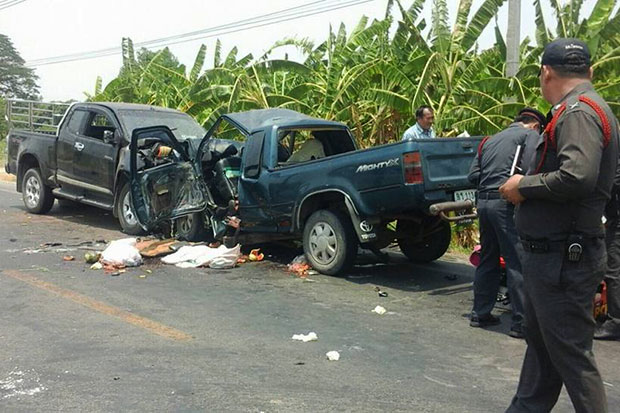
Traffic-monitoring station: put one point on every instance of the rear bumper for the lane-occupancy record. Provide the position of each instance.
(442, 209)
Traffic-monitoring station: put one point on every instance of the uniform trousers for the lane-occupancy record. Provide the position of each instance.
(612, 275)
(497, 237)
(558, 327)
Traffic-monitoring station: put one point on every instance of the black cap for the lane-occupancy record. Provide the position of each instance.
(564, 51)
(542, 119)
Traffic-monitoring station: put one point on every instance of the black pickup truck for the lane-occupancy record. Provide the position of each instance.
(85, 158)
(278, 174)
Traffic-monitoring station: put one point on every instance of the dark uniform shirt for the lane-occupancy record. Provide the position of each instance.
(574, 183)
(498, 154)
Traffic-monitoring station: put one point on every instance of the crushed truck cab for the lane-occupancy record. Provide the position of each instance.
(275, 174)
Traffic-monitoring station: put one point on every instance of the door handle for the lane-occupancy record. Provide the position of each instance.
(79, 146)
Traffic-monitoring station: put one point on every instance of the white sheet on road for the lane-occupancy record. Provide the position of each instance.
(122, 252)
(192, 256)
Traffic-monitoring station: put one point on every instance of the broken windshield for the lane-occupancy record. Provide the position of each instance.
(182, 125)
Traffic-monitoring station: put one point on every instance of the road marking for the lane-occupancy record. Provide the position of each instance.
(145, 323)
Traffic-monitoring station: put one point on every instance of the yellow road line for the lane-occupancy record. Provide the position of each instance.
(145, 323)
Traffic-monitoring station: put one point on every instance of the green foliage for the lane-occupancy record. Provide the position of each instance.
(16, 80)
(374, 77)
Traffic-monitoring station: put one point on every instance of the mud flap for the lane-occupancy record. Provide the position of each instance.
(365, 230)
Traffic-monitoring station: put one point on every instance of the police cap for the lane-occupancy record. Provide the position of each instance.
(566, 51)
(542, 119)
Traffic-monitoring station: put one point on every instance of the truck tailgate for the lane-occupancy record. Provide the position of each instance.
(446, 161)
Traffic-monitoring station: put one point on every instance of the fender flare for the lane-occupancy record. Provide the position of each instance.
(364, 235)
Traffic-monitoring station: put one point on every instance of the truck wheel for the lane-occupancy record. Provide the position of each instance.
(37, 196)
(190, 227)
(330, 242)
(430, 248)
(126, 215)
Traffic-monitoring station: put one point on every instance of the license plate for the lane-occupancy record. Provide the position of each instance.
(465, 195)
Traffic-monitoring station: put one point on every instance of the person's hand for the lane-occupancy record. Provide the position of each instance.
(510, 190)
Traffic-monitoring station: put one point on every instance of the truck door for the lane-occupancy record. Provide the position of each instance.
(168, 190)
(65, 149)
(254, 188)
(95, 154)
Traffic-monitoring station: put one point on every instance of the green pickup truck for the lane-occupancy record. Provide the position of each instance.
(275, 174)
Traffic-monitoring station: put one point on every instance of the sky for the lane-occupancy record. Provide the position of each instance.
(49, 28)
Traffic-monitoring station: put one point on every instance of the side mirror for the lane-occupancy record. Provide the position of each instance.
(108, 136)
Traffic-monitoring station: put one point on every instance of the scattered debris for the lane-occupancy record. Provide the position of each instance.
(142, 276)
(256, 255)
(379, 310)
(96, 266)
(333, 355)
(68, 258)
(91, 257)
(201, 255)
(155, 247)
(20, 383)
(300, 363)
(381, 293)
(122, 253)
(299, 266)
(311, 336)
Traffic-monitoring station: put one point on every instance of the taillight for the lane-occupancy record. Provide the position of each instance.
(413, 168)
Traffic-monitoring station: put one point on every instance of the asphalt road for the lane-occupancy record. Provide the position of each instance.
(74, 339)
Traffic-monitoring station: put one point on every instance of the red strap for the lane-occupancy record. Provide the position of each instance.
(549, 132)
(480, 145)
(602, 116)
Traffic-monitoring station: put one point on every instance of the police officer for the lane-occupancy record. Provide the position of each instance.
(558, 218)
(498, 237)
(610, 329)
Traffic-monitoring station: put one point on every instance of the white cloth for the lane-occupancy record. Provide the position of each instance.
(122, 252)
(192, 256)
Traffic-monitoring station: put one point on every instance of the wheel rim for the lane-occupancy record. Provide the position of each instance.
(323, 243)
(184, 224)
(128, 214)
(33, 192)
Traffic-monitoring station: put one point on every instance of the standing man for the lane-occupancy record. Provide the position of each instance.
(610, 329)
(498, 237)
(423, 127)
(558, 218)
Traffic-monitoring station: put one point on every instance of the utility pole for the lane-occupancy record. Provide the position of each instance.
(513, 37)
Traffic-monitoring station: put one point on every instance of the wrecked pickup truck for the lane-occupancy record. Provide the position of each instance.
(80, 152)
(275, 174)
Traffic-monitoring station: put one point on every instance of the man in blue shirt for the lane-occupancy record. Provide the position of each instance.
(423, 128)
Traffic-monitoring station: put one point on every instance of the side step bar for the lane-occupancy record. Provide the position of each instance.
(81, 199)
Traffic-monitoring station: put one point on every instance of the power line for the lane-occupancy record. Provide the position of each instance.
(10, 3)
(115, 49)
(306, 10)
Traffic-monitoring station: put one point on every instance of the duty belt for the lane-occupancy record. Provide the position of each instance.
(489, 195)
(573, 246)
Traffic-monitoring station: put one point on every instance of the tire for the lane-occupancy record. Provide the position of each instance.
(330, 242)
(126, 215)
(190, 227)
(430, 248)
(37, 196)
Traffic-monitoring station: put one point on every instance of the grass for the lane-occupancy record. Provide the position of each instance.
(2, 152)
